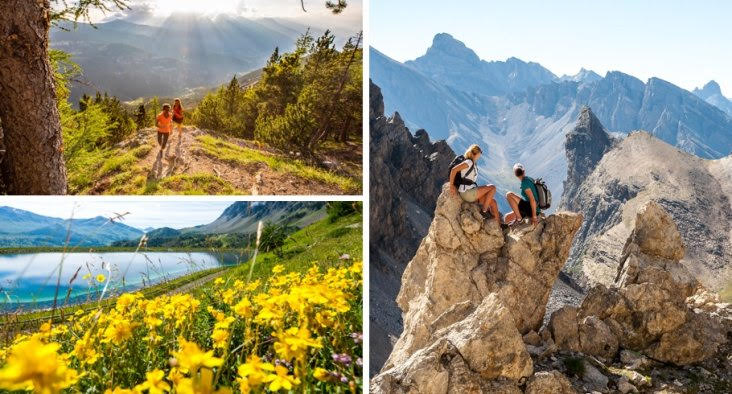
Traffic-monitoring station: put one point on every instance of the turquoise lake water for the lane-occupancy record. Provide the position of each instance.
(29, 281)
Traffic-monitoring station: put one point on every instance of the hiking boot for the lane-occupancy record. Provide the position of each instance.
(486, 214)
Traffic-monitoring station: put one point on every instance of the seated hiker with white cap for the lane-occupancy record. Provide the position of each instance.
(525, 205)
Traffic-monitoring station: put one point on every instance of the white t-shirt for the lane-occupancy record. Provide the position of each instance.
(473, 176)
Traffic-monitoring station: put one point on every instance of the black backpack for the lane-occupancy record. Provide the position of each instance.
(459, 178)
(544, 199)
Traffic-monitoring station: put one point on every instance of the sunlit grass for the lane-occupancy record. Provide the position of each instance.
(236, 154)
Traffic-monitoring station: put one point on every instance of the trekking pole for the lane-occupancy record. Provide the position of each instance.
(256, 249)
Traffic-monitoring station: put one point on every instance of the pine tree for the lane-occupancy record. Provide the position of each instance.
(140, 116)
(231, 96)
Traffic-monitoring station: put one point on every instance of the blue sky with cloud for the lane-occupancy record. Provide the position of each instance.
(163, 213)
(685, 42)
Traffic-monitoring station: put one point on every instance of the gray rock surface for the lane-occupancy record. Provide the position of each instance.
(408, 172)
(655, 306)
(641, 168)
(473, 289)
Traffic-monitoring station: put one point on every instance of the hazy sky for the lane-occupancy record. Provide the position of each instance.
(316, 15)
(176, 214)
(685, 42)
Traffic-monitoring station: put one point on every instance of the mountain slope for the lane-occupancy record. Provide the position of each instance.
(22, 228)
(407, 175)
(242, 217)
(638, 169)
(132, 60)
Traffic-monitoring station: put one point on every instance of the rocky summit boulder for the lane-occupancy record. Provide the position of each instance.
(467, 297)
(654, 307)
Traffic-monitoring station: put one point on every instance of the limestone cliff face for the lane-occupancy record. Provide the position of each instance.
(608, 181)
(469, 294)
(407, 173)
(655, 306)
(584, 146)
(474, 296)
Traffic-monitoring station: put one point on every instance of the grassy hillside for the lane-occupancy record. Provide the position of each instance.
(296, 324)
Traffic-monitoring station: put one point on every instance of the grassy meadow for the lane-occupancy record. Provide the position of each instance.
(291, 322)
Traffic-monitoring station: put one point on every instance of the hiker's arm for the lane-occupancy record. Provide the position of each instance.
(453, 173)
(532, 202)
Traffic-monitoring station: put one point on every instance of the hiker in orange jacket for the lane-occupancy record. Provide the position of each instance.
(164, 123)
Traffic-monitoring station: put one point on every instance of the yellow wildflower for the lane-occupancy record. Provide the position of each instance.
(118, 331)
(243, 308)
(101, 278)
(278, 268)
(84, 350)
(253, 285)
(203, 385)
(294, 343)
(320, 374)
(191, 358)
(281, 379)
(254, 370)
(154, 383)
(119, 390)
(33, 365)
(220, 338)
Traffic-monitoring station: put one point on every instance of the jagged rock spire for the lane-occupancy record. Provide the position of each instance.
(584, 146)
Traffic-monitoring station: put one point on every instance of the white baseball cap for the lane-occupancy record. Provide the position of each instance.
(518, 166)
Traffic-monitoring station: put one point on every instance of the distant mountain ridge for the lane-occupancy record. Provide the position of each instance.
(131, 60)
(20, 228)
(529, 125)
(242, 218)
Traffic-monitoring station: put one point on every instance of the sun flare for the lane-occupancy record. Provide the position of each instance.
(166, 7)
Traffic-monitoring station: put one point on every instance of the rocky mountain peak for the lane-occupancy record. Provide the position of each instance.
(468, 295)
(584, 146)
(445, 45)
(711, 88)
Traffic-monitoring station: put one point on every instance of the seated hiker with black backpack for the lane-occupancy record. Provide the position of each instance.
(463, 174)
(534, 197)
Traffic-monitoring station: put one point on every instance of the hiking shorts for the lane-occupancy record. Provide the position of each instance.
(524, 208)
(470, 195)
(163, 139)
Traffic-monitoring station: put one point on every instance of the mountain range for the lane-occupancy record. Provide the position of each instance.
(19, 228)
(184, 51)
(520, 112)
(242, 217)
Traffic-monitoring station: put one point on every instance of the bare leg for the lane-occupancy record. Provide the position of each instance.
(485, 195)
(494, 210)
(513, 201)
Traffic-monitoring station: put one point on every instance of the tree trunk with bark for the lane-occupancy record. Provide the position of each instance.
(33, 161)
